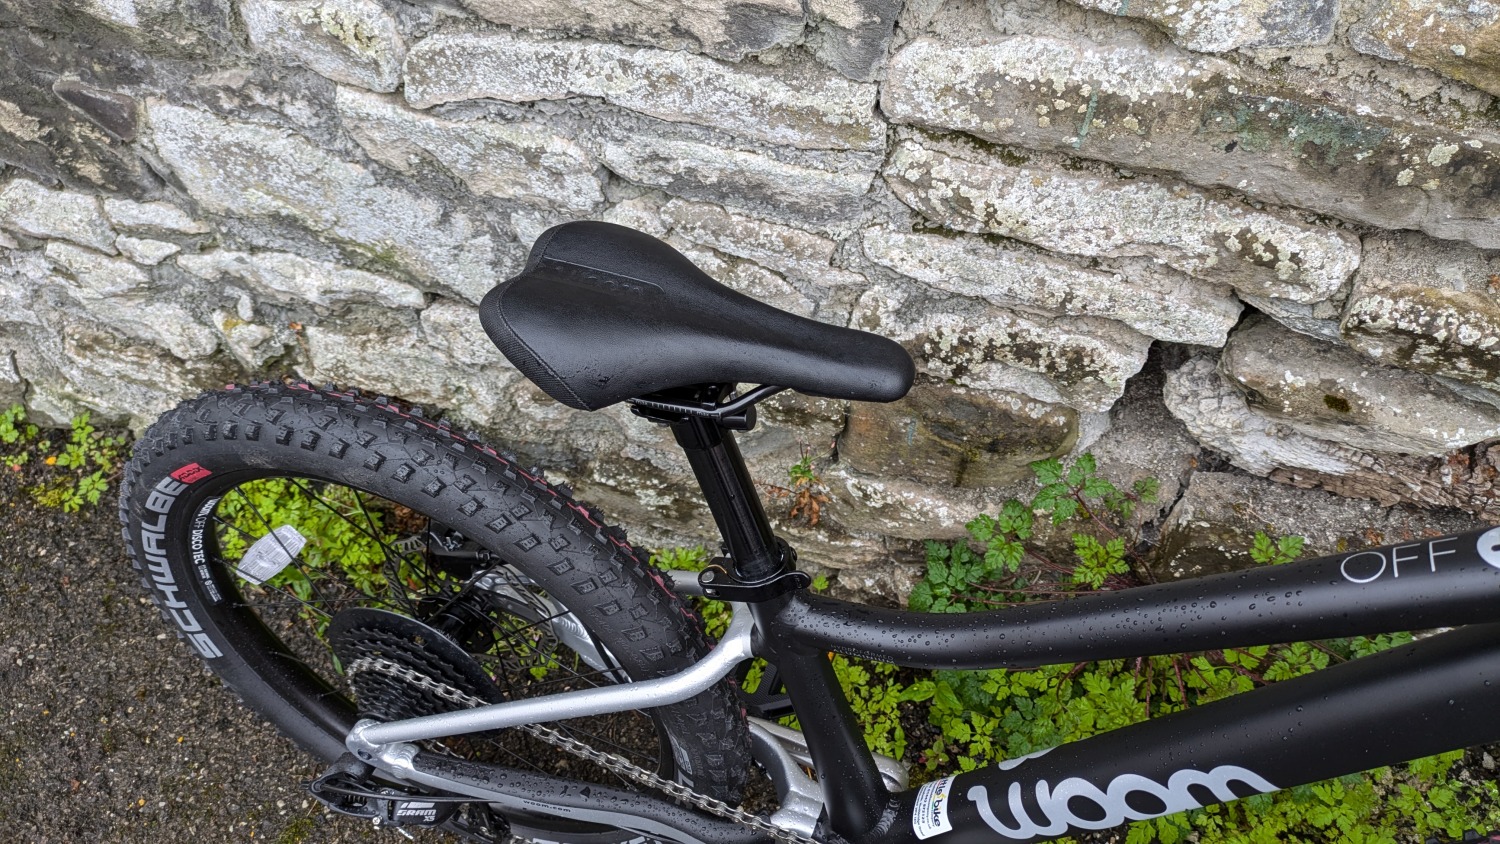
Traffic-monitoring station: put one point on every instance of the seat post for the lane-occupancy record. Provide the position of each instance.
(731, 496)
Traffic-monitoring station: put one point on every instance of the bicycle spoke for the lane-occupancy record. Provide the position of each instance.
(393, 576)
(520, 640)
(393, 561)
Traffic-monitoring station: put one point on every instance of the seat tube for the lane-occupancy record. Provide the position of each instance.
(731, 496)
(851, 783)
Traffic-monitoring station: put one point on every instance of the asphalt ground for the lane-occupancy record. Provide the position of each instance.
(112, 730)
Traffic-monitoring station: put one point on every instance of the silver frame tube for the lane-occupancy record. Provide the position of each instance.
(731, 649)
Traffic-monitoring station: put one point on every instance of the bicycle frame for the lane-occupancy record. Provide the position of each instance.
(1430, 696)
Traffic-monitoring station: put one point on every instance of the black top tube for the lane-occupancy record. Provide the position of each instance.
(1446, 581)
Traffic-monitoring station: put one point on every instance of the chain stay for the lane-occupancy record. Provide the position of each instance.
(609, 761)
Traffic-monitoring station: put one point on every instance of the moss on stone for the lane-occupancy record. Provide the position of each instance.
(1262, 122)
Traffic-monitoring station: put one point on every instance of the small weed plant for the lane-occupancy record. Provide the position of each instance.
(78, 467)
(806, 495)
(983, 717)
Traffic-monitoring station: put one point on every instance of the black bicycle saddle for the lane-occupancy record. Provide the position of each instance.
(604, 313)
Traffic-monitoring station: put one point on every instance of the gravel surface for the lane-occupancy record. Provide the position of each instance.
(113, 731)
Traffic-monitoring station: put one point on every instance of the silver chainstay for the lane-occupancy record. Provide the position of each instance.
(608, 761)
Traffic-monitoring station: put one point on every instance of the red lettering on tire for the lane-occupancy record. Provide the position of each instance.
(190, 473)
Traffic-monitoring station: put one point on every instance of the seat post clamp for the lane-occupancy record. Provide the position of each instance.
(719, 583)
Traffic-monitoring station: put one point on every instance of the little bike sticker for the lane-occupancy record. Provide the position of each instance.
(930, 816)
(1489, 547)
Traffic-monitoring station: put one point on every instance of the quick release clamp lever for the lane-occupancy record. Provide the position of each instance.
(718, 581)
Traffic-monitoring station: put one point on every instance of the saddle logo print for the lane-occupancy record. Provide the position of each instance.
(1059, 808)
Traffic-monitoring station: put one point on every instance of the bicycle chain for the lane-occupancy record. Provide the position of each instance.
(609, 761)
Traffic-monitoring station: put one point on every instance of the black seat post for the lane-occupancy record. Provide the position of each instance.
(721, 473)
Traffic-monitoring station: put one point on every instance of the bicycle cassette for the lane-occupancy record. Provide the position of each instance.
(385, 655)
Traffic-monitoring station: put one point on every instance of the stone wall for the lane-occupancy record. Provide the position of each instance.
(1169, 232)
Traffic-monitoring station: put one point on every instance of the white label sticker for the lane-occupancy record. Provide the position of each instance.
(1489, 547)
(930, 816)
(270, 554)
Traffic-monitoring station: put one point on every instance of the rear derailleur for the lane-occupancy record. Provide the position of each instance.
(348, 788)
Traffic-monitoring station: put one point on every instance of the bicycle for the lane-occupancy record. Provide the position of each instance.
(476, 604)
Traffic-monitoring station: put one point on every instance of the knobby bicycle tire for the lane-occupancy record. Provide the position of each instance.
(198, 470)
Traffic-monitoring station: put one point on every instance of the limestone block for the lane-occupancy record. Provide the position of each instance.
(860, 568)
(786, 249)
(114, 292)
(252, 344)
(1151, 299)
(12, 385)
(1215, 26)
(72, 360)
(1213, 525)
(1427, 306)
(76, 364)
(196, 27)
(97, 274)
(528, 162)
(20, 273)
(290, 278)
(805, 106)
(144, 250)
(1443, 332)
(35, 211)
(724, 29)
(643, 213)
(1082, 362)
(1103, 215)
(1202, 119)
(698, 170)
(1456, 38)
(1319, 319)
(453, 327)
(129, 215)
(120, 12)
(951, 436)
(1329, 391)
(398, 360)
(747, 277)
(892, 506)
(852, 36)
(256, 170)
(111, 111)
(1217, 416)
(355, 42)
(815, 419)
(20, 125)
(49, 137)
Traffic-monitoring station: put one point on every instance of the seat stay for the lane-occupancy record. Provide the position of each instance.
(369, 737)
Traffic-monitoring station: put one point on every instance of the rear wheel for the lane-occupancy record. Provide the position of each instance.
(291, 534)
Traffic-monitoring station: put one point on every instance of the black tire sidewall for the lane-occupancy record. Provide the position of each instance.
(190, 458)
